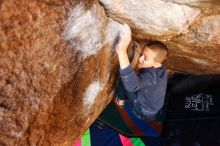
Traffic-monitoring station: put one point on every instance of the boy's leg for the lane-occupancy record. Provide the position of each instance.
(122, 94)
(120, 91)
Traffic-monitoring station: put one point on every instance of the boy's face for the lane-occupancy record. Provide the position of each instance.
(147, 59)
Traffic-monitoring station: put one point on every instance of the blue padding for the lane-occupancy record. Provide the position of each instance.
(141, 124)
(102, 135)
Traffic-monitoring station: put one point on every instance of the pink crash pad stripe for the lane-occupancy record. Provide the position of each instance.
(78, 143)
(125, 141)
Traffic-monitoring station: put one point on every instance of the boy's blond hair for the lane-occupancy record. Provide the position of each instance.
(160, 49)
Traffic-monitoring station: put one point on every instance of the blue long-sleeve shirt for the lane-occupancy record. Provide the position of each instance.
(149, 85)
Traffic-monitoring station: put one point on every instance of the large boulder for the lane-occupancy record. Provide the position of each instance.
(152, 17)
(198, 51)
(190, 28)
(57, 70)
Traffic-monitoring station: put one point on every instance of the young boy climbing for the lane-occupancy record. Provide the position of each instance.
(145, 91)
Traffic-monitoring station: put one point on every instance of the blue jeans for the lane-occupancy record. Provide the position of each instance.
(131, 100)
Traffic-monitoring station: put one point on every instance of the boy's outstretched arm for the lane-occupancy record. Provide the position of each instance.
(121, 49)
(130, 80)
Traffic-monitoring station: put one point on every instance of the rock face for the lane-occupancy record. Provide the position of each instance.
(190, 28)
(58, 68)
(152, 17)
(199, 50)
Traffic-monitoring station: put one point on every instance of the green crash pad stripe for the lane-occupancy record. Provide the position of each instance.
(137, 142)
(86, 138)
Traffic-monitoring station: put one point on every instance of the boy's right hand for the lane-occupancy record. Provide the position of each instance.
(125, 39)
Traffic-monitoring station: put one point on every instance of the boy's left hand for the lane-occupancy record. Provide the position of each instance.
(125, 39)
